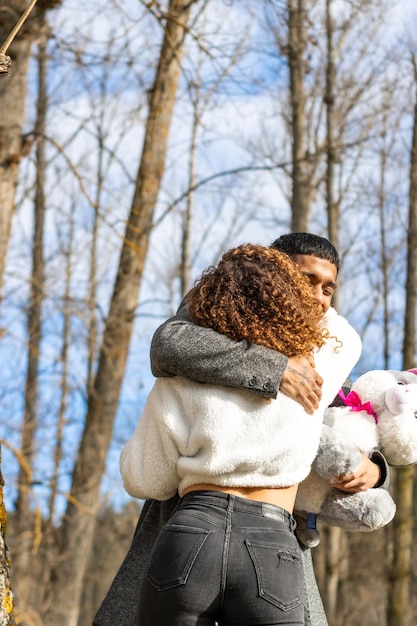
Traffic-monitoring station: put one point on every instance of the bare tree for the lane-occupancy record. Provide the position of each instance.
(399, 610)
(13, 143)
(297, 45)
(383, 234)
(187, 213)
(10, 151)
(329, 100)
(79, 520)
(24, 518)
(6, 593)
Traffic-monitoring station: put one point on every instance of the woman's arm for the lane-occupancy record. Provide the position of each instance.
(148, 461)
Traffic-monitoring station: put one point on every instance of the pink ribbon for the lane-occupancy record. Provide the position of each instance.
(354, 401)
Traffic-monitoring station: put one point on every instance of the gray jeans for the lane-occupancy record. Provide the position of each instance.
(227, 560)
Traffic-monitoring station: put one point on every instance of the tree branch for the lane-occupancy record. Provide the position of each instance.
(5, 61)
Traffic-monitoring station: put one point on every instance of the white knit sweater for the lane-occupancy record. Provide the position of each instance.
(193, 433)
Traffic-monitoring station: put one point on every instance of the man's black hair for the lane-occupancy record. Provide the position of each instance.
(294, 244)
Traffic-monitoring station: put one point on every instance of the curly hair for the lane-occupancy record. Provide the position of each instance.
(259, 294)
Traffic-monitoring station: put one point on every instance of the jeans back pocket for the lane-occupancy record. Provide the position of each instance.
(173, 555)
(279, 573)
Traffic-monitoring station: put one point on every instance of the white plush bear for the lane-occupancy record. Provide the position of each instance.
(380, 413)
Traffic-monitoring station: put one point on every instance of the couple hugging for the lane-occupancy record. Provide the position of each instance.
(219, 463)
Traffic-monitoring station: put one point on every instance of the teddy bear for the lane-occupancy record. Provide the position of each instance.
(378, 414)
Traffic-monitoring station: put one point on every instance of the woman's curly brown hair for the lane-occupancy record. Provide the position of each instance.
(259, 294)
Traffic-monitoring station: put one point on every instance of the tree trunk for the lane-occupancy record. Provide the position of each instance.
(300, 200)
(24, 520)
(187, 216)
(399, 612)
(79, 521)
(6, 593)
(409, 344)
(13, 89)
(12, 93)
(384, 253)
(12, 105)
(399, 589)
(333, 566)
(329, 98)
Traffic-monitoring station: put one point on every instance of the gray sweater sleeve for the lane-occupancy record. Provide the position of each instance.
(181, 348)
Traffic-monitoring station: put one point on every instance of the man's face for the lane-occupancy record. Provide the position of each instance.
(322, 275)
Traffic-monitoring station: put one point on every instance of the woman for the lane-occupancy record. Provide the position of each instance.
(228, 554)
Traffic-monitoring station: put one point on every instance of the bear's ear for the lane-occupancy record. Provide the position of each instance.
(407, 376)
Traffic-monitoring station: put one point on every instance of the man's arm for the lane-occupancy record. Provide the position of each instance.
(373, 472)
(181, 348)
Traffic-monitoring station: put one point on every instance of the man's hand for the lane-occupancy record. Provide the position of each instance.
(302, 383)
(367, 476)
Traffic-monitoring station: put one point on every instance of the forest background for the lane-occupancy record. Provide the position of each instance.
(138, 141)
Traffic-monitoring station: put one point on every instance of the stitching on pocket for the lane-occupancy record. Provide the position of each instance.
(167, 580)
(285, 558)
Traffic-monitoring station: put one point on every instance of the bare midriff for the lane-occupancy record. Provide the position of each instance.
(283, 497)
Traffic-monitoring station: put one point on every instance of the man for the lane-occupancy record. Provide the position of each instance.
(200, 354)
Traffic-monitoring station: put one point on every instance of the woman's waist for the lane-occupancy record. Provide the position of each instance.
(283, 497)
